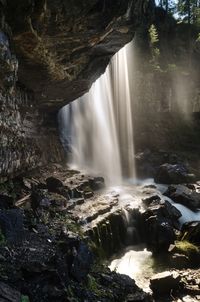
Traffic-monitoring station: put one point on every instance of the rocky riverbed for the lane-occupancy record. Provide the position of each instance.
(58, 226)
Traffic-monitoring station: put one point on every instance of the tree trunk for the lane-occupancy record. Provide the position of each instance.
(167, 5)
(189, 11)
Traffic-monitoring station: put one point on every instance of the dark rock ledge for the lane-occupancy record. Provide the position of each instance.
(64, 46)
(58, 225)
(176, 286)
(45, 254)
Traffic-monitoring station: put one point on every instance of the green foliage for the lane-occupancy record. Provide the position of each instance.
(171, 67)
(187, 247)
(155, 51)
(10, 188)
(186, 10)
(92, 284)
(153, 34)
(71, 297)
(189, 10)
(65, 220)
(25, 298)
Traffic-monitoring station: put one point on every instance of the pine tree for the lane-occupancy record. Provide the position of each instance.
(168, 5)
(153, 42)
(189, 10)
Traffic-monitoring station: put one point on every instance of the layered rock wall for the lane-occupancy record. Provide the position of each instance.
(26, 139)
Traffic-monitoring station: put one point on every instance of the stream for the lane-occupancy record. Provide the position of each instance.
(136, 261)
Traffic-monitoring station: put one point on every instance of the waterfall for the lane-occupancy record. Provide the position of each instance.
(99, 129)
(122, 70)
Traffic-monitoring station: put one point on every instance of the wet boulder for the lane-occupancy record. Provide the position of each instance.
(78, 258)
(122, 284)
(88, 194)
(179, 261)
(171, 212)
(45, 200)
(173, 174)
(76, 193)
(97, 183)
(162, 208)
(159, 222)
(85, 188)
(152, 200)
(11, 223)
(53, 184)
(185, 196)
(82, 262)
(164, 283)
(159, 234)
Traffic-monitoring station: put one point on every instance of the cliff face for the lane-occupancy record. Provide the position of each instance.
(28, 139)
(50, 53)
(63, 46)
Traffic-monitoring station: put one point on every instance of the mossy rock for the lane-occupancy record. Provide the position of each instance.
(187, 248)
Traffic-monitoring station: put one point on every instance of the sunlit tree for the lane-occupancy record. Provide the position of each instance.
(155, 52)
(189, 10)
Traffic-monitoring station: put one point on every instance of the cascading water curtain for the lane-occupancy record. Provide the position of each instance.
(122, 69)
(100, 125)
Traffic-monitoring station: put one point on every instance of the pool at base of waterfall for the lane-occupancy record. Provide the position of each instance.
(136, 262)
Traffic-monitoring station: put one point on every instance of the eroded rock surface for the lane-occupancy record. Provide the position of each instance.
(160, 221)
(165, 282)
(63, 47)
(175, 174)
(181, 286)
(52, 233)
(44, 251)
(185, 195)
